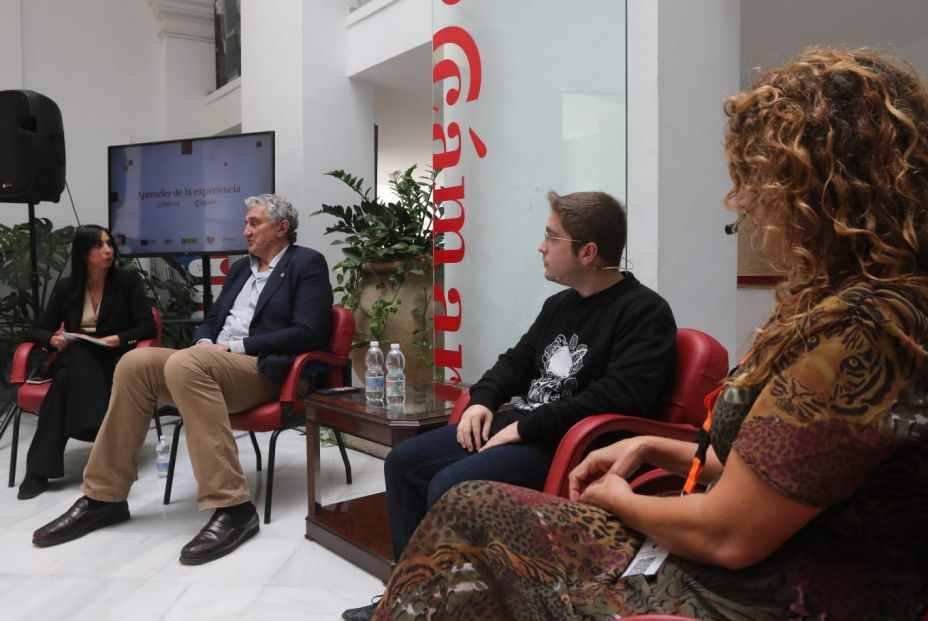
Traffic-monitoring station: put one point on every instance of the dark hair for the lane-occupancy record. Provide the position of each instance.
(834, 148)
(86, 238)
(593, 217)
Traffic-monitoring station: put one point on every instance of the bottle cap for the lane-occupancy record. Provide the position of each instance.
(394, 345)
(375, 343)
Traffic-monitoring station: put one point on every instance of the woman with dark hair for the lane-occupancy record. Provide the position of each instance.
(103, 302)
(817, 469)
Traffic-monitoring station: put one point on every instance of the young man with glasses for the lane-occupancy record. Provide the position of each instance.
(606, 344)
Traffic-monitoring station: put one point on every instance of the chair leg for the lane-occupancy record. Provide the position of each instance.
(157, 418)
(170, 480)
(341, 449)
(271, 454)
(14, 447)
(8, 414)
(254, 443)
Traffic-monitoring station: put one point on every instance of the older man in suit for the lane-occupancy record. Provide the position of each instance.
(276, 303)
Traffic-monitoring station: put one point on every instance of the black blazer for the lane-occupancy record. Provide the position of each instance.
(293, 314)
(124, 310)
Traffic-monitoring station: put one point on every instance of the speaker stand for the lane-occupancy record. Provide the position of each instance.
(33, 263)
(207, 283)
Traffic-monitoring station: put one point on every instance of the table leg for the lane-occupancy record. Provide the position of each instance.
(312, 466)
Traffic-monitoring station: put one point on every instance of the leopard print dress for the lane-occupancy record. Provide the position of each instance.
(843, 424)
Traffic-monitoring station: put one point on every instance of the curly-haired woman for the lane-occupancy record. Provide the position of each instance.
(818, 468)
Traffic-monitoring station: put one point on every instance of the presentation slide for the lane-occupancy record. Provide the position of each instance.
(186, 197)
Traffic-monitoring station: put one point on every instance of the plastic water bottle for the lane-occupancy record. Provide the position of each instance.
(163, 457)
(373, 377)
(396, 377)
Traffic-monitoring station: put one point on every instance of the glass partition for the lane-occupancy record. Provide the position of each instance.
(528, 97)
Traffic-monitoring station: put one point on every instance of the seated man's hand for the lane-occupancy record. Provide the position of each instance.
(622, 459)
(474, 428)
(213, 346)
(507, 435)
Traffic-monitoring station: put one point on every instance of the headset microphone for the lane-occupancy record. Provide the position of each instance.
(732, 228)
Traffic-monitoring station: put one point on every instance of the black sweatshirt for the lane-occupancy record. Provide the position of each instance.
(610, 352)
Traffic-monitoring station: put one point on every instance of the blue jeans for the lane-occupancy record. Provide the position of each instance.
(421, 469)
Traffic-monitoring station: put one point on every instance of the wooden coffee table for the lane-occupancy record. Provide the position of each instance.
(357, 529)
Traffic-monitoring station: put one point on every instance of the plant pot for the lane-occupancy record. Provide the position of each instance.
(415, 292)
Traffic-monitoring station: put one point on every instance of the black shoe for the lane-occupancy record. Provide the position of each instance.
(79, 520)
(32, 486)
(364, 613)
(221, 535)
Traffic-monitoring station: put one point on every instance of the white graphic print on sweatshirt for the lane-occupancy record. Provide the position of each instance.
(560, 364)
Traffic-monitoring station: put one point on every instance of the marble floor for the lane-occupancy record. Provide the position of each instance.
(130, 571)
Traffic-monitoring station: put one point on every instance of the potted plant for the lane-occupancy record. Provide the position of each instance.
(385, 278)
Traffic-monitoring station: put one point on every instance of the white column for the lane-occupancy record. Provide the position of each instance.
(338, 120)
(683, 61)
(187, 65)
(272, 85)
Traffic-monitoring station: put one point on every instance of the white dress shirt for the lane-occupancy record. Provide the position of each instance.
(235, 329)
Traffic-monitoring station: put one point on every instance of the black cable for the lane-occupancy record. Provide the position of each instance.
(73, 208)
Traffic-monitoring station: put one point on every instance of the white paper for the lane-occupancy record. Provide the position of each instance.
(647, 561)
(76, 336)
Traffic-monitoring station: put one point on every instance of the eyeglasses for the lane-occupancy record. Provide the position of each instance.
(549, 237)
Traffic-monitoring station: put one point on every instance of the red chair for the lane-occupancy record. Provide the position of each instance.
(702, 363)
(29, 397)
(288, 411)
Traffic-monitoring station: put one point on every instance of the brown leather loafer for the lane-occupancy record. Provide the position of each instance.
(79, 520)
(219, 537)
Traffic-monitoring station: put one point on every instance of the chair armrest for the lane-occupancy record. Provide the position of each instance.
(658, 482)
(292, 382)
(575, 443)
(459, 406)
(20, 368)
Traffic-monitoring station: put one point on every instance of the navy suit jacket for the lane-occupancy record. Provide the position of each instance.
(293, 313)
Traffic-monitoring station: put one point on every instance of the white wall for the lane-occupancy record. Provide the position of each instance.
(188, 67)
(677, 171)
(115, 80)
(404, 138)
(774, 32)
(338, 121)
(106, 82)
(383, 29)
(272, 87)
(11, 69)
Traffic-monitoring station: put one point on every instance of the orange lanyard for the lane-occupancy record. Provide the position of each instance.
(702, 442)
(702, 436)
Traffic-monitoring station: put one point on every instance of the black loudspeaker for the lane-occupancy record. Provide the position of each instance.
(31, 148)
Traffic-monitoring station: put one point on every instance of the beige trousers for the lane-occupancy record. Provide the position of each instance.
(205, 385)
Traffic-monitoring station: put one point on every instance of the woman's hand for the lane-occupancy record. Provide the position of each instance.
(621, 459)
(606, 492)
(111, 340)
(58, 342)
(474, 428)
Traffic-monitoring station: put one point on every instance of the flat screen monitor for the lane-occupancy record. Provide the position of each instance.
(183, 197)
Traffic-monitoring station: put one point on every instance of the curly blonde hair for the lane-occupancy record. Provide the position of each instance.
(833, 147)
